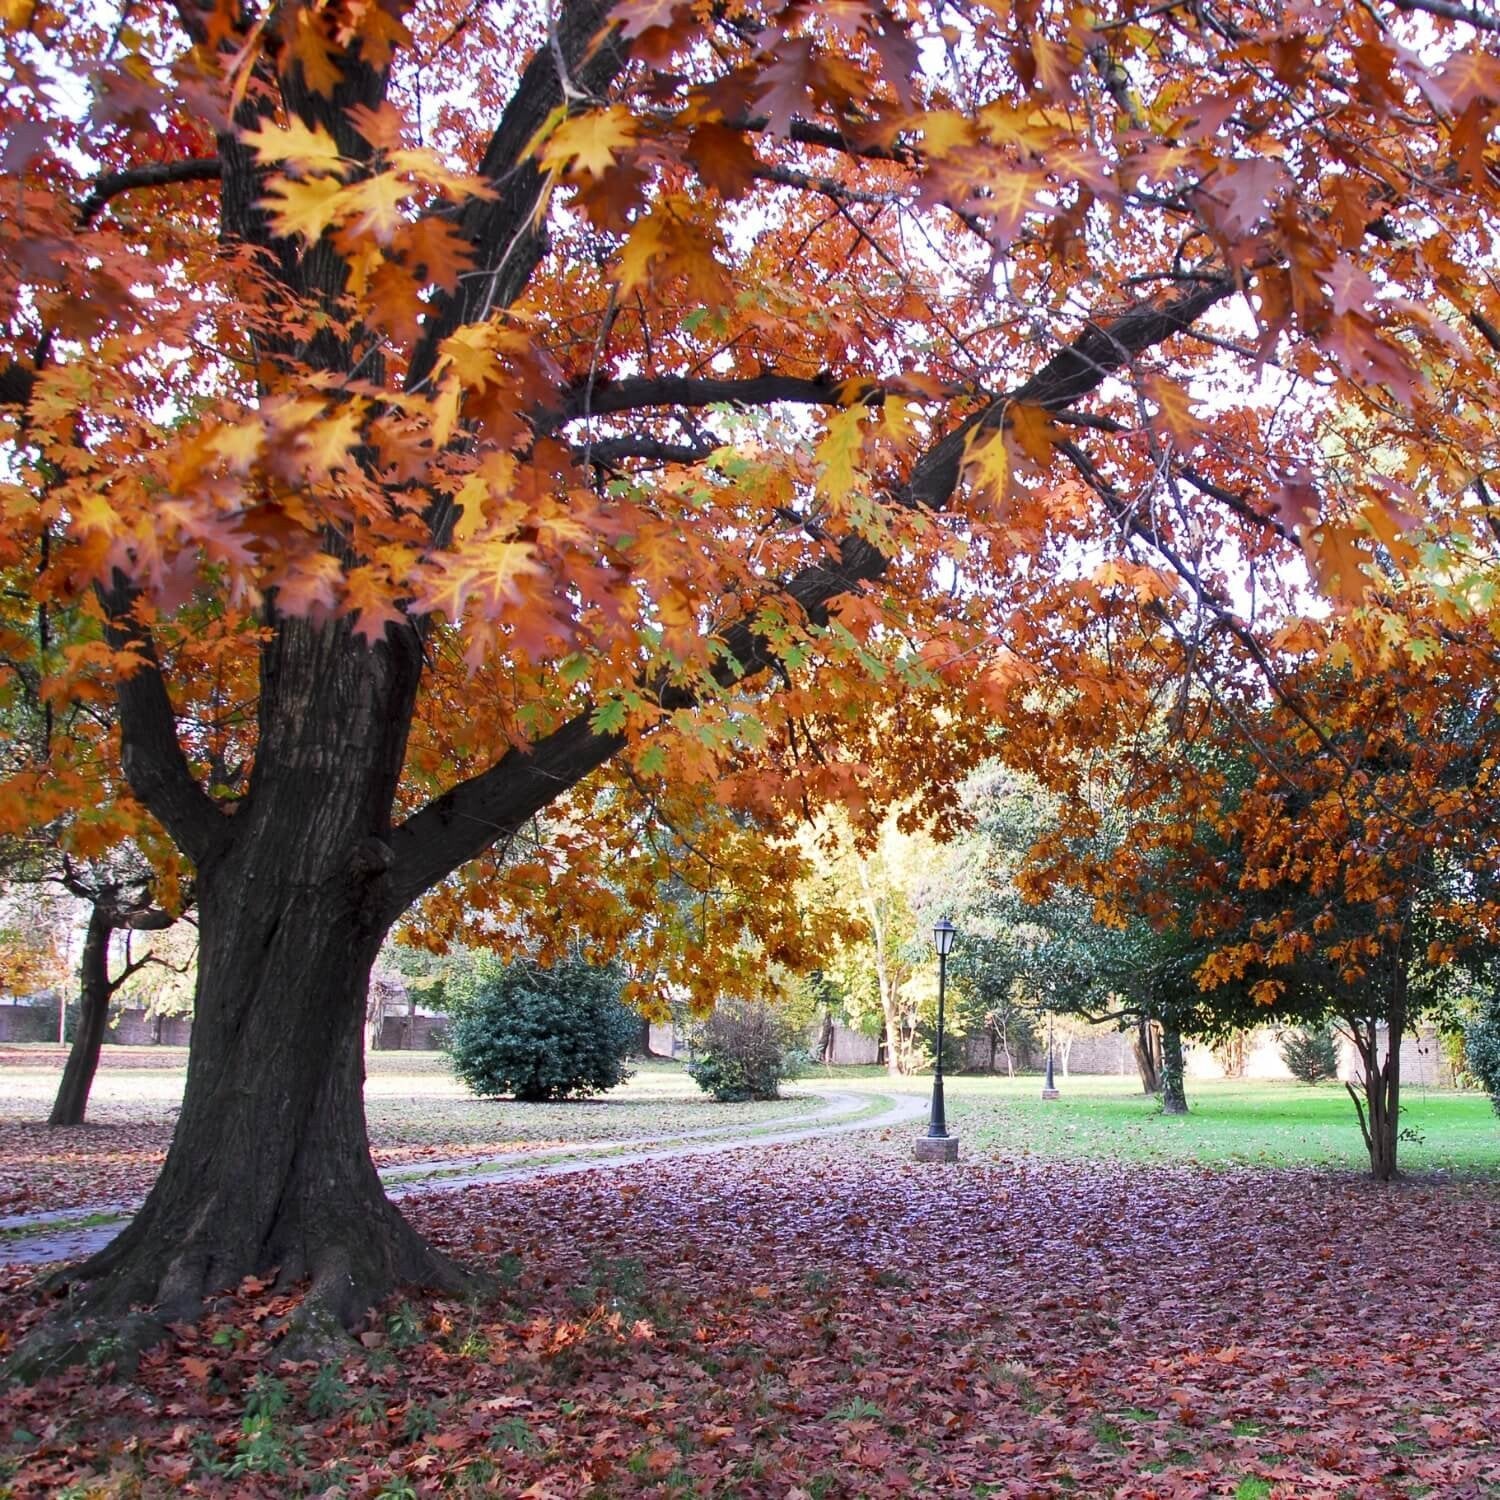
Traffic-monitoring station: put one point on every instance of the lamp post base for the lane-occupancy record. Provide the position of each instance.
(1051, 1094)
(935, 1148)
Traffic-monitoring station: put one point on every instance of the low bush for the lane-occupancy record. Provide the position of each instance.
(542, 1033)
(744, 1051)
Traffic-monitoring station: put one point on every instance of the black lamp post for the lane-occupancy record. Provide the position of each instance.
(943, 933)
(1049, 1089)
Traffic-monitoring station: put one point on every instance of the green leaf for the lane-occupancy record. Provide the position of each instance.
(609, 718)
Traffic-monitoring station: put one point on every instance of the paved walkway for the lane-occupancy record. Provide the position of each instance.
(70, 1234)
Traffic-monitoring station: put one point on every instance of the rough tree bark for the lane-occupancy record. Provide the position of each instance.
(110, 910)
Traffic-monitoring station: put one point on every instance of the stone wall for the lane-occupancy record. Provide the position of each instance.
(28, 1023)
(134, 1028)
(417, 1033)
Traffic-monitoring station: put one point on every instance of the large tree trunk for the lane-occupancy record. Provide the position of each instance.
(269, 1168)
(1173, 1069)
(94, 990)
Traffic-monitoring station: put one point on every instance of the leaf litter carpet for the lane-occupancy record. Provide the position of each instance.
(835, 1320)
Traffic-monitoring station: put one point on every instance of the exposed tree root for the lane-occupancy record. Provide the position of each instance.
(118, 1303)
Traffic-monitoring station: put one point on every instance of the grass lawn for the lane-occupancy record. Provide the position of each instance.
(1229, 1122)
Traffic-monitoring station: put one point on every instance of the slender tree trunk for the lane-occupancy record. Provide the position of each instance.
(825, 1039)
(1064, 1052)
(895, 1054)
(1146, 1057)
(93, 1018)
(1377, 1102)
(375, 1019)
(1173, 1069)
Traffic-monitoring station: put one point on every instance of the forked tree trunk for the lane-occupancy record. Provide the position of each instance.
(1173, 1069)
(269, 1168)
(1146, 1059)
(94, 990)
(109, 911)
(1377, 1101)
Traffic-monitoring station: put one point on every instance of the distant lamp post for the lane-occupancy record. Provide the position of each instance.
(1049, 1088)
(937, 1144)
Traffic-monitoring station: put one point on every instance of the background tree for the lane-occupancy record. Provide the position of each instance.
(119, 899)
(1310, 1054)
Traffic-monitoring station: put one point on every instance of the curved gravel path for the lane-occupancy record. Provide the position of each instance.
(70, 1234)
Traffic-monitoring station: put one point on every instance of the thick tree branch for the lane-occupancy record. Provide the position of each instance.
(1071, 373)
(607, 397)
(154, 174)
(467, 820)
(506, 233)
(1450, 10)
(150, 754)
(613, 450)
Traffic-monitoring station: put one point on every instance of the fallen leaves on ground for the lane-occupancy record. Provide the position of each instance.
(45, 1167)
(831, 1320)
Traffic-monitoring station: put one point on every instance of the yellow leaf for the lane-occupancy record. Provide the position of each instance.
(326, 445)
(590, 142)
(305, 208)
(944, 131)
(647, 241)
(838, 452)
(896, 417)
(375, 205)
(239, 443)
(986, 463)
(308, 150)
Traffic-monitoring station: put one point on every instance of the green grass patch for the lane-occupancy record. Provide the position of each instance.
(1229, 1124)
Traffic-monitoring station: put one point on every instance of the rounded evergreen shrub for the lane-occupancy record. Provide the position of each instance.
(744, 1051)
(542, 1033)
(1482, 1050)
